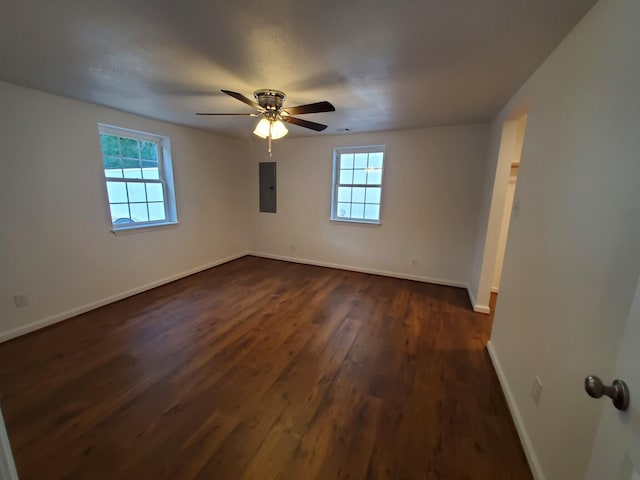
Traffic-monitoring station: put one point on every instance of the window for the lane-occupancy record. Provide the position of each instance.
(138, 177)
(357, 183)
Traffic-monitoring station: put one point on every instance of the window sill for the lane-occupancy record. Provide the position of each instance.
(372, 223)
(130, 230)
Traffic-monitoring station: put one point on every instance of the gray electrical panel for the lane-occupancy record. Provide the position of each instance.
(268, 187)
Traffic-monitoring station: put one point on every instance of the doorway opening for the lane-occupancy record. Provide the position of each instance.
(504, 227)
(510, 152)
(504, 207)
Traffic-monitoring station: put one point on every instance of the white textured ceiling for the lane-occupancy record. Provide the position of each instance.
(383, 64)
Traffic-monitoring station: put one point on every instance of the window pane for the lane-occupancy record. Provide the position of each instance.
(373, 195)
(117, 192)
(129, 147)
(374, 177)
(360, 160)
(372, 212)
(149, 151)
(111, 162)
(109, 145)
(136, 192)
(150, 173)
(119, 212)
(113, 173)
(139, 212)
(130, 163)
(346, 160)
(346, 176)
(156, 212)
(357, 210)
(360, 177)
(150, 170)
(344, 194)
(132, 173)
(358, 195)
(375, 160)
(154, 192)
(343, 210)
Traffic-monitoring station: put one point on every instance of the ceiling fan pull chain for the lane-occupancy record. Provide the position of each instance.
(269, 142)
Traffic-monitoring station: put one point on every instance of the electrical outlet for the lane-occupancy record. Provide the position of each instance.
(20, 300)
(536, 390)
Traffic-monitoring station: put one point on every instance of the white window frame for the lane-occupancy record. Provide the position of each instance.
(336, 181)
(165, 177)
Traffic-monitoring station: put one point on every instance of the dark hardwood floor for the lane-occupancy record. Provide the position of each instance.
(263, 369)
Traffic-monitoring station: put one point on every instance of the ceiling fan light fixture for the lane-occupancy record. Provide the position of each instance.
(278, 130)
(262, 128)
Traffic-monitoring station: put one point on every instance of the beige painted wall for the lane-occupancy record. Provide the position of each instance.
(430, 202)
(55, 239)
(572, 260)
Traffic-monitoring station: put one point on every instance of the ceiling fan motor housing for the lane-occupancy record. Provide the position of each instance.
(270, 100)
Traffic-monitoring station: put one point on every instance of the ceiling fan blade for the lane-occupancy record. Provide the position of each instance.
(243, 99)
(318, 127)
(240, 114)
(317, 107)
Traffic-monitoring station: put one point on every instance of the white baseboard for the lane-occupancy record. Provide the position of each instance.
(384, 273)
(38, 324)
(529, 451)
(24, 329)
(476, 307)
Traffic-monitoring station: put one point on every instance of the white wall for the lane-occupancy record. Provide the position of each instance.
(429, 203)
(573, 259)
(55, 239)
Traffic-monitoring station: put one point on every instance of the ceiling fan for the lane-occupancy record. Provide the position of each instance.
(269, 106)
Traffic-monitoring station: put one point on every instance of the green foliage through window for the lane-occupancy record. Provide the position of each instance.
(110, 145)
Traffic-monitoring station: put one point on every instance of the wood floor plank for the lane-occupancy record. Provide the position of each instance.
(261, 369)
